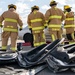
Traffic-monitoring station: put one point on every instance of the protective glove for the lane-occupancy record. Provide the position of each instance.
(30, 29)
(1, 26)
(20, 29)
(45, 26)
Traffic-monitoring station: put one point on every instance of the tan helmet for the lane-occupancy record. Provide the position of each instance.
(53, 3)
(12, 6)
(67, 7)
(35, 7)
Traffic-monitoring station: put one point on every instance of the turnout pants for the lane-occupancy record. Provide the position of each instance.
(39, 38)
(5, 37)
(55, 34)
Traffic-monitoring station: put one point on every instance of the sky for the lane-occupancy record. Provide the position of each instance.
(24, 6)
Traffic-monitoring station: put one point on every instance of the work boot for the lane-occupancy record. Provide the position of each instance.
(2, 50)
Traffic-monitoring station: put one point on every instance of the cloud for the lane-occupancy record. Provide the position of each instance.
(73, 5)
(0, 9)
(26, 0)
(21, 0)
(62, 2)
(45, 7)
(24, 19)
(30, 0)
(21, 7)
(23, 10)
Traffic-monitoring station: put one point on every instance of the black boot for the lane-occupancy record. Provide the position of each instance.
(2, 50)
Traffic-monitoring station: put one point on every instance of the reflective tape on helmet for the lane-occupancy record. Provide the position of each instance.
(10, 20)
(36, 20)
(10, 29)
(55, 16)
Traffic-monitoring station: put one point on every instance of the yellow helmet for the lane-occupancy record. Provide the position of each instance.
(35, 7)
(12, 6)
(66, 7)
(53, 3)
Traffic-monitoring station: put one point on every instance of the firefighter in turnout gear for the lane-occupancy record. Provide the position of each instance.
(53, 18)
(36, 22)
(69, 23)
(10, 28)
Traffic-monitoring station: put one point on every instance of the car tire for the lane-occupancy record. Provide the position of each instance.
(28, 37)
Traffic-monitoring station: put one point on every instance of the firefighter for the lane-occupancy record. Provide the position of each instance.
(10, 29)
(53, 18)
(36, 22)
(69, 23)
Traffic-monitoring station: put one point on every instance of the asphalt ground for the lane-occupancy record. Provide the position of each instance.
(15, 69)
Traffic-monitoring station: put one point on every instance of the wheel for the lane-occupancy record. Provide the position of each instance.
(28, 37)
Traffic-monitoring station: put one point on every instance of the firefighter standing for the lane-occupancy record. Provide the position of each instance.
(11, 20)
(69, 23)
(36, 24)
(54, 17)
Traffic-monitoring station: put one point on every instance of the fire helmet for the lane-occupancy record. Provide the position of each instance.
(12, 6)
(35, 7)
(67, 7)
(53, 3)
